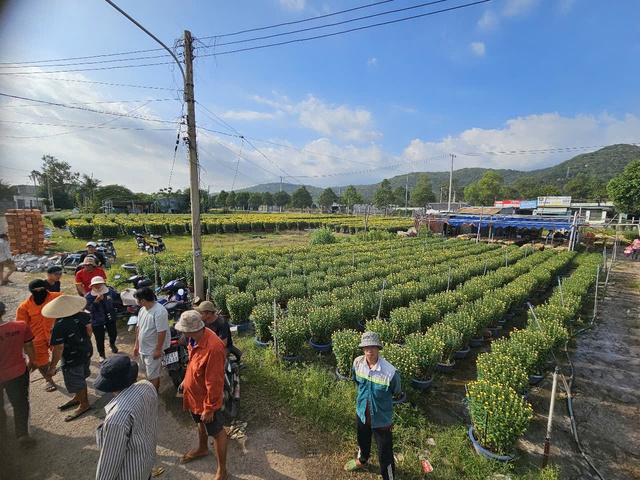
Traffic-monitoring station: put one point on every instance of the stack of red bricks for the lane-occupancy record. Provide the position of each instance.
(26, 231)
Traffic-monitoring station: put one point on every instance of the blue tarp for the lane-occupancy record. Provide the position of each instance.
(504, 222)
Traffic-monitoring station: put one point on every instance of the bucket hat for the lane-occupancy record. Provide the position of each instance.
(64, 306)
(370, 339)
(190, 321)
(89, 260)
(98, 286)
(116, 374)
(205, 306)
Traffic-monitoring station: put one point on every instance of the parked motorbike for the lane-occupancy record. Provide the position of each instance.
(155, 245)
(231, 393)
(176, 358)
(141, 240)
(176, 298)
(128, 304)
(105, 245)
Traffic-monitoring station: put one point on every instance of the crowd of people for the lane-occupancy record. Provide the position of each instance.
(52, 328)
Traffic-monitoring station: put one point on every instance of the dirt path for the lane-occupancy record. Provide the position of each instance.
(606, 407)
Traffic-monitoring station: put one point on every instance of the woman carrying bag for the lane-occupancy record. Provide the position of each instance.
(103, 317)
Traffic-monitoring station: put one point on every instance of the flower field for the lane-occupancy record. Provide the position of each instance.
(426, 298)
(114, 225)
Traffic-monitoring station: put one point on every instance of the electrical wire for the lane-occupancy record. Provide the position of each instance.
(91, 69)
(343, 22)
(100, 103)
(110, 84)
(298, 21)
(365, 27)
(134, 52)
(72, 64)
(104, 112)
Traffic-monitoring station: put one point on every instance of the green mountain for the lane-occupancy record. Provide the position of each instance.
(606, 163)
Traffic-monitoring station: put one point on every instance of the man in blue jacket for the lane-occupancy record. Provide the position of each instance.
(378, 381)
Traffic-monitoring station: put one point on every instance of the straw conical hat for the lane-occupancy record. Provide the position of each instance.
(63, 306)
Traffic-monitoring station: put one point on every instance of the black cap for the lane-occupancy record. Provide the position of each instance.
(55, 270)
(116, 374)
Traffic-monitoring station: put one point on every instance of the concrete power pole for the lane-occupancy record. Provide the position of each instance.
(194, 174)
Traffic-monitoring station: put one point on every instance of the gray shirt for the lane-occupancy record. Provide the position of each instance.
(150, 323)
(127, 438)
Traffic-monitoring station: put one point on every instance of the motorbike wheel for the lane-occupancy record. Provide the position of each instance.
(231, 407)
(177, 376)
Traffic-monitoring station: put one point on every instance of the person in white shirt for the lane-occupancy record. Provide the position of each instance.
(152, 335)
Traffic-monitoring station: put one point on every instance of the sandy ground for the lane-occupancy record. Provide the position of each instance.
(606, 360)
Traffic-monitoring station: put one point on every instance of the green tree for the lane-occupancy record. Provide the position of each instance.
(242, 200)
(281, 199)
(255, 200)
(86, 189)
(221, 199)
(399, 196)
(383, 196)
(327, 198)
(526, 188)
(549, 191)
(486, 191)
(267, 198)
(301, 198)
(579, 187)
(7, 191)
(624, 190)
(57, 176)
(231, 199)
(351, 197)
(423, 192)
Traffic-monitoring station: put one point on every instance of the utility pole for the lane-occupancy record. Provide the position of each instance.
(198, 280)
(450, 183)
(194, 174)
(406, 196)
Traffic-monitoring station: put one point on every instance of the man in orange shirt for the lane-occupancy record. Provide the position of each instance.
(203, 388)
(30, 312)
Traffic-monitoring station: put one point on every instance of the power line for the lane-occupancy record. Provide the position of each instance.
(104, 112)
(130, 59)
(91, 69)
(85, 57)
(329, 24)
(110, 84)
(102, 103)
(365, 27)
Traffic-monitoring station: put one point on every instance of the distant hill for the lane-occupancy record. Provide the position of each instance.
(606, 163)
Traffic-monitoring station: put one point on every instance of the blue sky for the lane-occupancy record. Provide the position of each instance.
(506, 75)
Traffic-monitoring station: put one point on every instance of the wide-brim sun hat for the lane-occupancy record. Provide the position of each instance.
(116, 374)
(370, 339)
(64, 306)
(205, 306)
(190, 321)
(98, 286)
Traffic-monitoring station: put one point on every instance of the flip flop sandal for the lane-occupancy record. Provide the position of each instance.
(157, 471)
(50, 387)
(68, 405)
(186, 458)
(75, 414)
(236, 435)
(352, 466)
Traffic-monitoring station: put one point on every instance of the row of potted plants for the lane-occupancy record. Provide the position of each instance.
(499, 413)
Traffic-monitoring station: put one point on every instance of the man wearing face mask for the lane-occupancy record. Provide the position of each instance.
(30, 312)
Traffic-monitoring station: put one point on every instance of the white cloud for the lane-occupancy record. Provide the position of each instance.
(488, 21)
(248, 115)
(477, 48)
(478, 147)
(293, 4)
(519, 8)
(372, 61)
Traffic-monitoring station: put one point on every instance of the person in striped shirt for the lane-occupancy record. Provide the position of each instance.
(127, 438)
